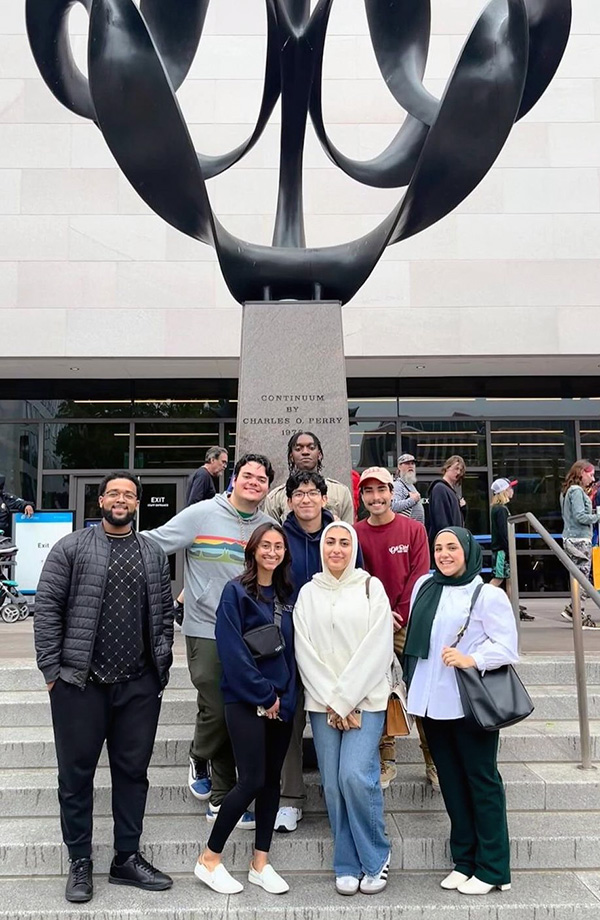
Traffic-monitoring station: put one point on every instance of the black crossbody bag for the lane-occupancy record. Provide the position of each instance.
(495, 699)
(267, 641)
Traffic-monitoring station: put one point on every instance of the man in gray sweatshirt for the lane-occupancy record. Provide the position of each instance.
(214, 534)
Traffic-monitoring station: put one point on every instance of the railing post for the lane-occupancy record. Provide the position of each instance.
(514, 577)
(580, 677)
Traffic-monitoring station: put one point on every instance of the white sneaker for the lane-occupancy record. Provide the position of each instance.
(346, 884)
(372, 884)
(268, 879)
(218, 879)
(474, 885)
(287, 819)
(453, 880)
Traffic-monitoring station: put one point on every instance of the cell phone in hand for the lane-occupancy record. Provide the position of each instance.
(357, 713)
(261, 711)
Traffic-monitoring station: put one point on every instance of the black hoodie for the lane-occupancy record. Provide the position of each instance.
(444, 509)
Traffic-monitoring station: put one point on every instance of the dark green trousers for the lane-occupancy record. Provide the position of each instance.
(211, 739)
(473, 793)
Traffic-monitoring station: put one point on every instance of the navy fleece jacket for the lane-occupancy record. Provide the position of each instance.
(305, 550)
(246, 679)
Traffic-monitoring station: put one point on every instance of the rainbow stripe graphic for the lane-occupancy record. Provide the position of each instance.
(218, 549)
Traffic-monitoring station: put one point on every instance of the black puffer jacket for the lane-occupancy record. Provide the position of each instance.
(69, 598)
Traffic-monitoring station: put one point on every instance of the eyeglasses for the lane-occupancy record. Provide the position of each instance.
(128, 496)
(312, 493)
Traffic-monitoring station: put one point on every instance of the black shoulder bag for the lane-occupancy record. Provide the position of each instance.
(267, 641)
(493, 699)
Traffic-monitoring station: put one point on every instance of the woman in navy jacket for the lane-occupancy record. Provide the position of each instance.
(260, 700)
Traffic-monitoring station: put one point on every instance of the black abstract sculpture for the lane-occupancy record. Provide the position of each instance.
(138, 58)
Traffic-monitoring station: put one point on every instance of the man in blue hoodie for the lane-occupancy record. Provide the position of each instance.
(306, 492)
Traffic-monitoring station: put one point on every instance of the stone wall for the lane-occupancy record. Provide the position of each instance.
(87, 270)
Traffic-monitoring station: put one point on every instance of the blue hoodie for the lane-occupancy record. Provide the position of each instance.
(305, 550)
(245, 679)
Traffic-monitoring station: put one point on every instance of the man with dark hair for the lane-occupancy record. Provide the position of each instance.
(214, 534)
(201, 485)
(103, 630)
(305, 453)
(10, 504)
(306, 492)
(395, 550)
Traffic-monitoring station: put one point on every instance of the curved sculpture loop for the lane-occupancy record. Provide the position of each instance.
(139, 57)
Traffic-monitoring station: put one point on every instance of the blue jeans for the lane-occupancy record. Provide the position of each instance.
(349, 765)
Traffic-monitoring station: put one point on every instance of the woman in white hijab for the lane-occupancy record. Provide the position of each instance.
(344, 650)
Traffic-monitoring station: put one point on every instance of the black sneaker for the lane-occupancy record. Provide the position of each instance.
(138, 872)
(567, 614)
(523, 615)
(80, 884)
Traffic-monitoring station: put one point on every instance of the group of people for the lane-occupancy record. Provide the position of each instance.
(289, 610)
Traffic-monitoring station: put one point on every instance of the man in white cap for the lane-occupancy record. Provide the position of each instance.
(406, 499)
(395, 549)
(502, 492)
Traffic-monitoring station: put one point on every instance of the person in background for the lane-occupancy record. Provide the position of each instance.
(406, 499)
(260, 701)
(306, 453)
(502, 492)
(203, 483)
(447, 508)
(202, 486)
(396, 551)
(214, 534)
(103, 631)
(10, 504)
(579, 520)
(344, 649)
(308, 516)
(466, 758)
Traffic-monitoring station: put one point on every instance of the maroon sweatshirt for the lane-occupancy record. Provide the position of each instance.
(397, 554)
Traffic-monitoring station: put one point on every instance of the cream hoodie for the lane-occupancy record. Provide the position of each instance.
(344, 640)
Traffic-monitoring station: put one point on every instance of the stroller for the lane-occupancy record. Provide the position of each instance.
(13, 605)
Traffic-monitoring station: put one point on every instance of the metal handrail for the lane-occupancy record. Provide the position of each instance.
(578, 581)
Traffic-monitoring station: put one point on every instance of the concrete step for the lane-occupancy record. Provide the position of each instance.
(539, 840)
(532, 741)
(22, 674)
(408, 896)
(32, 707)
(532, 787)
(553, 703)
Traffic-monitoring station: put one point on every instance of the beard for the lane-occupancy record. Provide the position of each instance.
(117, 522)
(410, 478)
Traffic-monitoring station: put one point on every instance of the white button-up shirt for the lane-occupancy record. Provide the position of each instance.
(491, 639)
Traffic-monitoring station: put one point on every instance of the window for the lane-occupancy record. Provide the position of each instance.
(432, 442)
(181, 445)
(538, 454)
(19, 459)
(86, 446)
(373, 444)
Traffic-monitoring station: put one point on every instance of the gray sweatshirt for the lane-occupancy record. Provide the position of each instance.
(214, 537)
(403, 504)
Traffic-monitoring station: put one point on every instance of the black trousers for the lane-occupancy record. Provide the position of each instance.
(473, 794)
(259, 745)
(124, 715)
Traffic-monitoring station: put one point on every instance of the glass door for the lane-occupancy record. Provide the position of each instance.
(162, 498)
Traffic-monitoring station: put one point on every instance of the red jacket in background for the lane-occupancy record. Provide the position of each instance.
(397, 553)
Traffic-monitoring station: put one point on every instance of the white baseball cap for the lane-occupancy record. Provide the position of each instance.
(501, 485)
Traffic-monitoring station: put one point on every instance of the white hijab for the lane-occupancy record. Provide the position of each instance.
(351, 574)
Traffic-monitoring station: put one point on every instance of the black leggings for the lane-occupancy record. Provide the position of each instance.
(259, 745)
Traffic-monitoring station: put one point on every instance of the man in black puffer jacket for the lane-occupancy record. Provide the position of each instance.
(103, 628)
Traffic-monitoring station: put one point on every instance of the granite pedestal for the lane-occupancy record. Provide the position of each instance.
(293, 378)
